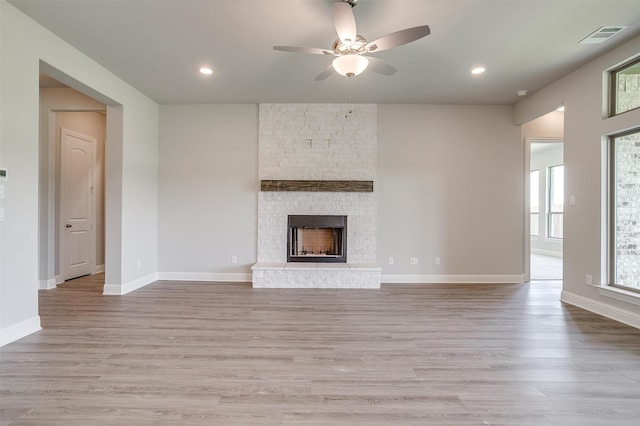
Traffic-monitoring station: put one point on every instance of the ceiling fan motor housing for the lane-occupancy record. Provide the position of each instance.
(359, 45)
(352, 3)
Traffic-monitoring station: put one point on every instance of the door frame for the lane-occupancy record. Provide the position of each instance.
(92, 204)
(112, 162)
(526, 228)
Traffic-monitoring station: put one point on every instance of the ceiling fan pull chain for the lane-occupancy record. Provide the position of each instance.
(350, 110)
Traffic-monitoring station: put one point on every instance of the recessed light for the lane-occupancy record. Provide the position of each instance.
(522, 92)
(206, 70)
(478, 70)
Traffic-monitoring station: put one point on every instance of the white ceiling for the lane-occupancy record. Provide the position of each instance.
(157, 46)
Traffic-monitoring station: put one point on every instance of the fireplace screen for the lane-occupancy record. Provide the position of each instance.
(317, 239)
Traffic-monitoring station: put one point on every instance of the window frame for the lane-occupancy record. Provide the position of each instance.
(612, 209)
(613, 86)
(550, 212)
(531, 213)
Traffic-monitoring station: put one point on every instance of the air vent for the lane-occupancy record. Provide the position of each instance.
(601, 35)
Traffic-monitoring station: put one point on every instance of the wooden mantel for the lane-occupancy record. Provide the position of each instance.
(317, 185)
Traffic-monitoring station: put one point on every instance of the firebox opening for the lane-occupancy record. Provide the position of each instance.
(317, 239)
(316, 242)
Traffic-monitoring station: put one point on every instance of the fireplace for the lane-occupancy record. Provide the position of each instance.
(312, 238)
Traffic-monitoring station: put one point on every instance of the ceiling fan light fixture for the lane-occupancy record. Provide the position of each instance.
(350, 65)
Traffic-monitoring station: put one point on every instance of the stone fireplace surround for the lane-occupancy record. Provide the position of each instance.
(317, 142)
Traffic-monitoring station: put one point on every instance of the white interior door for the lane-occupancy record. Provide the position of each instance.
(77, 158)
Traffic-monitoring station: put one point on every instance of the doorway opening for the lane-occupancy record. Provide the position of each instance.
(544, 198)
(546, 169)
(72, 212)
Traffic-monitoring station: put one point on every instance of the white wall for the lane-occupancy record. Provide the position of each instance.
(131, 162)
(548, 126)
(208, 191)
(427, 206)
(586, 126)
(450, 186)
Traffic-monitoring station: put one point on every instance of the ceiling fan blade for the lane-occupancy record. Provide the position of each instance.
(380, 66)
(307, 50)
(344, 21)
(327, 72)
(398, 38)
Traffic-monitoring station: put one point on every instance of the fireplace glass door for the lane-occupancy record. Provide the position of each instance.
(317, 239)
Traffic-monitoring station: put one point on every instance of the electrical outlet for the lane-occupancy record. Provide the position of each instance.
(391, 260)
(437, 261)
(139, 263)
(414, 260)
(589, 279)
(308, 143)
(234, 259)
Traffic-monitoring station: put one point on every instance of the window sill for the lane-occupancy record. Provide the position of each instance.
(620, 294)
(552, 240)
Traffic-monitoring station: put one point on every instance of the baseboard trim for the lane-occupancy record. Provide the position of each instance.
(241, 277)
(121, 289)
(59, 279)
(48, 284)
(99, 269)
(612, 312)
(233, 277)
(450, 279)
(19, 330)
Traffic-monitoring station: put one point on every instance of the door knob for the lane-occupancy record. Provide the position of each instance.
(68, 226)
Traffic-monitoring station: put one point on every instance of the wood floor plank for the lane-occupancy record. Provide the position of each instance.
(226, 354)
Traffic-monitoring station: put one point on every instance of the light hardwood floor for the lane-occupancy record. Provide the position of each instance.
(226, 354)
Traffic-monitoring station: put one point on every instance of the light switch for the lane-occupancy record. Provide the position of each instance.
(572, 200)
(1, 214)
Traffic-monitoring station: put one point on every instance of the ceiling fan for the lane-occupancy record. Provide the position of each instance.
(350, 48)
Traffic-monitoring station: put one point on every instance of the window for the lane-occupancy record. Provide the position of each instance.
(625, 88)
(534, 202)
(624, 199)
(555, 205)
